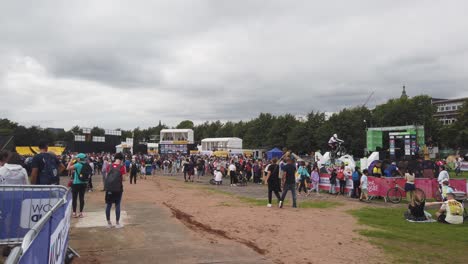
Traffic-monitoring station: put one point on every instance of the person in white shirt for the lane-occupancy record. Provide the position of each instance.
(451, 211)
(218, 176)
(232, 173)
(443, 175)
(363, 186)
(12, 172)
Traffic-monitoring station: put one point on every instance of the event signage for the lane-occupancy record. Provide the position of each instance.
(32, 210)
(464, 166)
(380, 186)
(59, 239)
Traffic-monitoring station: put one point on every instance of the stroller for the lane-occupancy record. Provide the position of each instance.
(462, 198)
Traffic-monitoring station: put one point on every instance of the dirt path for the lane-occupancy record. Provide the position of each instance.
(283, 235)
(151, 234)
(170, 221)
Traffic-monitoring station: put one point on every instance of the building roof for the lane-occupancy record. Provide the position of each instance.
(221, 139)
(176, 130)
(444, 101)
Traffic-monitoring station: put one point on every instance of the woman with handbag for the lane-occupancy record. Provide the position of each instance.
(78, 187)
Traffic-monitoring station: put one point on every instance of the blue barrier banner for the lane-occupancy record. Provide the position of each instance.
(21, 208)
(58, 242)
(37, 251)
(50, 246)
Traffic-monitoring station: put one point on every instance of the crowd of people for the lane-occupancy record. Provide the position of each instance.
(283, 175)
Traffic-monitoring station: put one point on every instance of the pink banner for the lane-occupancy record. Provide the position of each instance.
(380, 186)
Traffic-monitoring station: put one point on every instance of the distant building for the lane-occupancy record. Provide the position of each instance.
(301, 118)
(447, 109)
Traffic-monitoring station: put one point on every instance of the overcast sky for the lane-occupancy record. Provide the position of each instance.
(122, 64)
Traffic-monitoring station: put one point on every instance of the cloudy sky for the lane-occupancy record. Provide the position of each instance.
(131, 63)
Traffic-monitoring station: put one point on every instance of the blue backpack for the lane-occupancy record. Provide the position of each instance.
(49, 173)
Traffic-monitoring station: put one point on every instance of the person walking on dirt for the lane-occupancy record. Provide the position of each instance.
(232, 173)
(289, 182)
(133, 171)
(272, 179)
(185, 165)
(114, 189)
(78, 186)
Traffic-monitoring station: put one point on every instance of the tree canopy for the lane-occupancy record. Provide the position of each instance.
(285, 131)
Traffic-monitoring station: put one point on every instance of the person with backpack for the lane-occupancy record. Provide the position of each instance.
(46, 167)
(114, 189)
(133, 171)
(82, 172)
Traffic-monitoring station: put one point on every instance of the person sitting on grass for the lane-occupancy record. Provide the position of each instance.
(416, 208)
(451, 211)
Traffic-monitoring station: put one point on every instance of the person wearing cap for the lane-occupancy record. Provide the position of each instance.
(451, 211)
(78, 187)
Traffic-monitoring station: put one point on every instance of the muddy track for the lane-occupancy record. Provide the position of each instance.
(188, 221)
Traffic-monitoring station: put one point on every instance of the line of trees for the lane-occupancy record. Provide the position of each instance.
(267, 130)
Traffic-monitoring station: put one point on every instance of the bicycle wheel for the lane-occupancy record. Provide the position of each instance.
(419, 193)
(342, 151)
(394, 195)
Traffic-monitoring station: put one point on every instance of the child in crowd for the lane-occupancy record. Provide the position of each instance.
(364, 184)
(315, 179)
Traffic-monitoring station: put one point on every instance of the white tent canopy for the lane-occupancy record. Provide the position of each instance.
(226, 144)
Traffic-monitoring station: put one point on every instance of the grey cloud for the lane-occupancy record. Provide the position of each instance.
(175, 60)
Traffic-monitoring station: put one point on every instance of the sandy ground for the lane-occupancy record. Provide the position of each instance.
(285, 235)
(170, 221)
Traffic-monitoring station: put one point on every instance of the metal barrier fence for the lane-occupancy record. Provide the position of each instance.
(38, 218)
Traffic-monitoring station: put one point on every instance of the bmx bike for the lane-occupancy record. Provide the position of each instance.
(395, 194)
(338, 152)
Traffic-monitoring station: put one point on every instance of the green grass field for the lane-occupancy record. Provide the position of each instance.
(303, 204)
(406, 242)
(462, 175)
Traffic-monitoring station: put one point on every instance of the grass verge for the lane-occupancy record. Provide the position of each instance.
(406, 242)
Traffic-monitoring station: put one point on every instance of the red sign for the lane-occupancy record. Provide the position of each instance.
(380, 186)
